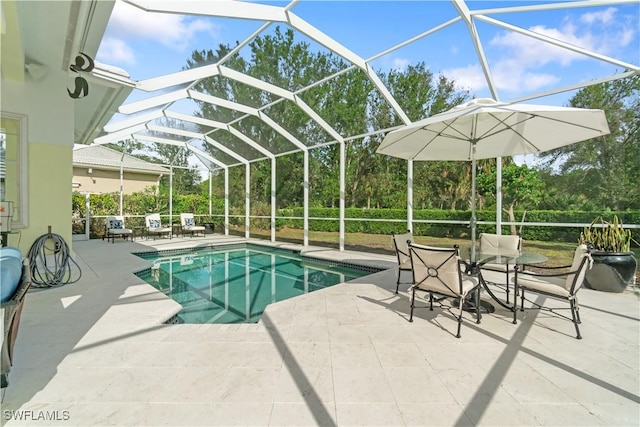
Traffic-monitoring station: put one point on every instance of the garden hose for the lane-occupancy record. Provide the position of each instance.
(48, 271)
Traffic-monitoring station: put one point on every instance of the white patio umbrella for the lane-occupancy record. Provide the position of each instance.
(484, 128)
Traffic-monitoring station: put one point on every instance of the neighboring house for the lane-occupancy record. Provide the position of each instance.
(96, 169)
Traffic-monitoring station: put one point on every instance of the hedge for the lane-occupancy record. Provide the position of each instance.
(543, 233)
(138, 204)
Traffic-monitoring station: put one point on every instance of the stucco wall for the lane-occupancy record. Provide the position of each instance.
(108, 181)
(49, 113)
(49, 192)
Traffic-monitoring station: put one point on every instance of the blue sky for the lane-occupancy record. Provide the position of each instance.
(149, 45)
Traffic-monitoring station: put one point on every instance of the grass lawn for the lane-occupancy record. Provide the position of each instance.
(558, 253)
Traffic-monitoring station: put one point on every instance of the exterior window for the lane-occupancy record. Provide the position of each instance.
(13, 165)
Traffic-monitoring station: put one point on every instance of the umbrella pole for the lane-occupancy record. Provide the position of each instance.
(473, 202)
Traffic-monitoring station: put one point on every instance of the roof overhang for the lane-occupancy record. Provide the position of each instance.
(40, 37)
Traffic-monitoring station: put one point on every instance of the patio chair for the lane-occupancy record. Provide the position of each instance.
(494, 273)
(438, 271)
(154, 226)
(10, 311)
(563, 285)
(115, 228)
(400, 242)
(188, 225)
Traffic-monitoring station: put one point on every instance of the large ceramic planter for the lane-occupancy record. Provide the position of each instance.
(611, 271)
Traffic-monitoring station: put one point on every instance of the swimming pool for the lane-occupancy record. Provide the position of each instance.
(235, 284)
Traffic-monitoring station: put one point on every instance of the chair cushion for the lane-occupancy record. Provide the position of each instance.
(115, 224)
(120, 231)
(498, 277)
(160, 230)
(580, 253)
(468, 284)
(189, 222)
(498, 267)
(549, 285)
(154, 223)
(494, 241)
(406, 265)
(194, 228)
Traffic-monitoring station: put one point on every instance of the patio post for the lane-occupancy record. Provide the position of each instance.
(121, 180)
(343, 155)
(273, 199)
(210, 193)
(170, 195)
(87, 210)
(305, 214)
(498, 196)
(226, 201)
(247, 200)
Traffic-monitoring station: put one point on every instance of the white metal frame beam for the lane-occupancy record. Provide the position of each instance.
(149, 110)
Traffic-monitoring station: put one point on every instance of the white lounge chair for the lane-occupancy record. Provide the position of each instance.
(154, 226)
(115, 228)
(188, 225)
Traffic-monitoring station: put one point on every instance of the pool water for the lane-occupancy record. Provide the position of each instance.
(234, 285)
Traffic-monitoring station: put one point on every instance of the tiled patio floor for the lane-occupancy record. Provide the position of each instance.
(97, 353)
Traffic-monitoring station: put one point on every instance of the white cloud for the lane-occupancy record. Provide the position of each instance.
(171, 30)
(116, 51)
(605, 17)
(400, 64)
(507, 76)
(469, 77)
(523, 64)
(603, 32)
(530, 52)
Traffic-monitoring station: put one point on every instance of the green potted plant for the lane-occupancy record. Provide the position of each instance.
(614, 264)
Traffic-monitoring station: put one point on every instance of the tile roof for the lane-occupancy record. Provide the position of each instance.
(99, 156)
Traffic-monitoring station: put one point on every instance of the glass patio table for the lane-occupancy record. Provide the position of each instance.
(474, 258)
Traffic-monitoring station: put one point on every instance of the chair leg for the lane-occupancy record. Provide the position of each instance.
(398, 281)
(576, 318)
(515, 304)
(413, 299)
(507, 288)
(478, 314)
(459, 317)
(521, 299)
(430, 301)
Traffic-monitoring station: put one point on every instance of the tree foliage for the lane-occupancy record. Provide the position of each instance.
(598, 174)
(521, 187)
(350, 103)
(604, 170)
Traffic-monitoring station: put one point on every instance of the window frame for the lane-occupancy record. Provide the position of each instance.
(22, 219)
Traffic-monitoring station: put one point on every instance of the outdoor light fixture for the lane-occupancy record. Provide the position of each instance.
(34, 69)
